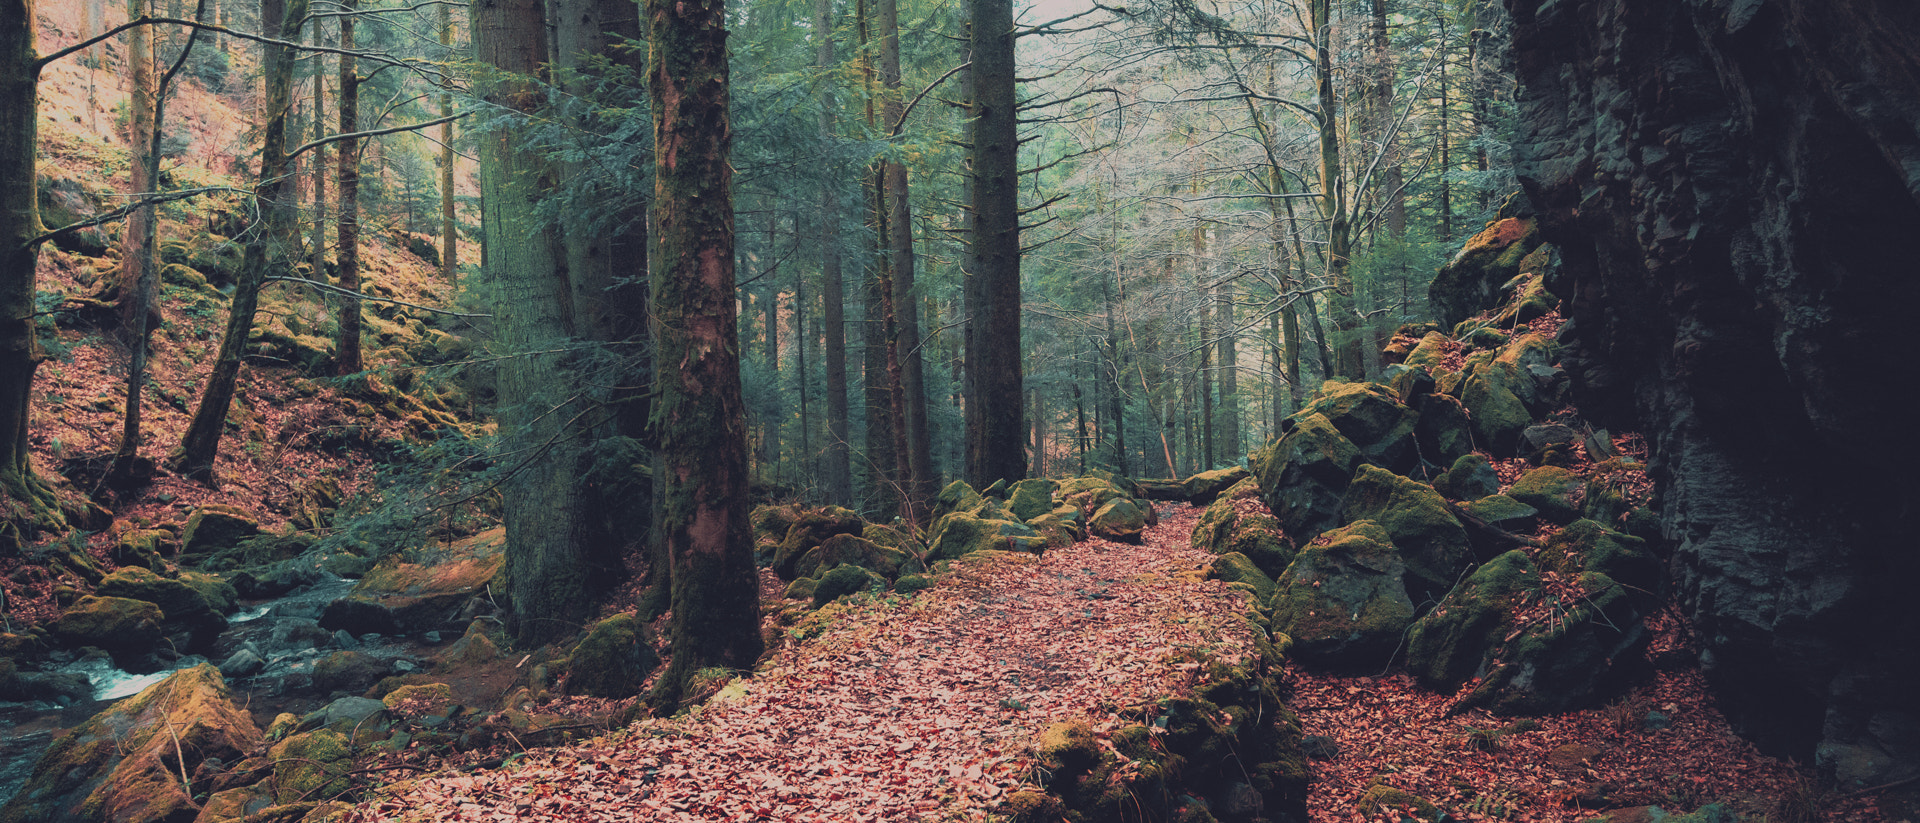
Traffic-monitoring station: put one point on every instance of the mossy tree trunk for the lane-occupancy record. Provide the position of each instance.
(996, 404)
(549, 575)
(346, 344)
(698, 412)
(275, 195)
(27, 500)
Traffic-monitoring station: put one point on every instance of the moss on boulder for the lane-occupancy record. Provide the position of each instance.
(195, 603)
(1031, 498)
(1120, 520)
(1450, 645)
(128, 629)
(1504, 513)
(397, 597)
(612, 659)
(1201, 489)
(1303, 474)
(809, 531)
(213, 527)
(311, 767)
(858, 551)
(1471, 282)
(122, 765)
(1498, 414)
(1235, 567)
(1418, 523)
(844, 580)
(1470, 478)
(1344, 600)
(1372, 418)
(960, 534)
(1551, 490)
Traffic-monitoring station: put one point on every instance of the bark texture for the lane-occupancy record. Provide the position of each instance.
(996, 404)
(698, 412)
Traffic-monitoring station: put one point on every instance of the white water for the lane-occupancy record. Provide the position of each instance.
(110, 683)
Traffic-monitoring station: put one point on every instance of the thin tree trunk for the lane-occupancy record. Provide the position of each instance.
(273, 192)
(319, 159)
(918, 462)
(136, 240)
(346, 344)
(449, 229)
(1333, 201)
(698, 412)
(877, 332)
(1229, 382)
(1391, 178)
(1080, 421)
(837, 470)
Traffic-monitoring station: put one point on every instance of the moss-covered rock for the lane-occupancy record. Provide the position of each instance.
(145, 548)
(311, 767)
(1119, 520)
(1372, 418)
(957, 497)
(1431, 352)
(807, 533)
(858, 551)
(844, 580)
(1471, 478)
(1471, 282)
(892, 538)
(1451, 644)
(1504, 513)
(910, 583)
(127, 629)
(213, 527)
(197, 609)
(123, 764)
(348, 671)
(1201, 489)
(1235, 567)
(1539, 383)
(1419, 524)
(801, 589)
(397, 597)
(1498, 414)
(1344, 600)
(612, 659)
(1551, 490)
(1303, 474)
(769, 521)
(478, 646)
(960, 534)
(1031, 498)
(1589, 546)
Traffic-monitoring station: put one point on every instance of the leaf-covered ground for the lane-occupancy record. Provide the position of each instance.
(922, 710)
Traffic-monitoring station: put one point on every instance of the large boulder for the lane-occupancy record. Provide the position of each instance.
(195, 603)
(1551, 490)
(1499, 415)
(1031, 498)
(1238, 521)
(1372, 418)
(128, 629)
(1119, 520)
(123, 765)
(1234, 567)
(311, 767)
(398, 597)
(1418, 523)
(1471, 478)
(959, 534)
(1304, 473)
(612, 660)
(1472, 282)
(1451, 644)
(1344, 601)
(1445, 429)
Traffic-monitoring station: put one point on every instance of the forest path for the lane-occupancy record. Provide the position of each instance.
(921, 710)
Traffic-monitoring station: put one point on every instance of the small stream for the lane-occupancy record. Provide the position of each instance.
(283, 631)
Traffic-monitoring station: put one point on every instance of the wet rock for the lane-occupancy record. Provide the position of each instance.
(348, 671)
(405, 598)
(243, 663)
(121, 764)
(195, 603)
(125, 628)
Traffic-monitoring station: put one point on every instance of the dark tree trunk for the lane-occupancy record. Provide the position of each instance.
(994, 409)
(137, 238)
(918, 459)
(346, 344)
(274, 194)
(836, 473)
(449, 230)
(698, 411)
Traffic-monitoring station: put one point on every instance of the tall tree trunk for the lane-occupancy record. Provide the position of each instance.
(993, 255)
(1391, 177)
(837, 472)
(136, 240)
(1229, 382)
(1445, 137)
(20, 353)
(274, 243)
(1116, 365)
(346, 343)
(1201, 275)
(1080, 427)
(546, 561)
(449, 229)
(1348, 361)
(883, 459)
(698, 411)
(918, 462)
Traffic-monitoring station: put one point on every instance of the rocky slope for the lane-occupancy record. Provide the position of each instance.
(1730, 185)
